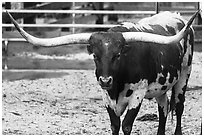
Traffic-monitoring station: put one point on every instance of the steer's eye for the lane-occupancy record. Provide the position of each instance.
(95, 57)
(117, 56)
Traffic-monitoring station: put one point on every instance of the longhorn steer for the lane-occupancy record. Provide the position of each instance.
(137, 61)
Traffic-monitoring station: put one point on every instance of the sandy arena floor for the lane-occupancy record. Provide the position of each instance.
(71, 104)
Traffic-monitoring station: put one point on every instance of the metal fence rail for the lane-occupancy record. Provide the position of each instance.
(67, 25)
(139, 13)
(74, 11)
(5, 41)
(62, 25)
(83, 11)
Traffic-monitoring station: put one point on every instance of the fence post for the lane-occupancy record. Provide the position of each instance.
(157, 7)
(6, 55)
(73, 17)
(8, 6)
(30, 19)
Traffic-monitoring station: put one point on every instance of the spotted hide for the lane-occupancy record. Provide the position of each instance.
(141, 70)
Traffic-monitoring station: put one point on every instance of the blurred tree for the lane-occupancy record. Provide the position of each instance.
(8, 6)
(112, 17)
(98, 6)
(30, 19)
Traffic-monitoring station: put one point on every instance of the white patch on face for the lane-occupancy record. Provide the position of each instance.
(106, 47)
(106, 44)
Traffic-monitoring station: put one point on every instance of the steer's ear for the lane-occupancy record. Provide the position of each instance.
(90, 49)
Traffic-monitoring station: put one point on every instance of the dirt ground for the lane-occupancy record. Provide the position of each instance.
(70, 103)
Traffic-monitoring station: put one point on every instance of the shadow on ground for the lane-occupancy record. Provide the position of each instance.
(30, 75)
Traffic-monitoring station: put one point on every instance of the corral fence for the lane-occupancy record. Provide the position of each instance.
(79, 11)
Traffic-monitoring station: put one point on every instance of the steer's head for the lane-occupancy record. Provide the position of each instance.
(106, 49)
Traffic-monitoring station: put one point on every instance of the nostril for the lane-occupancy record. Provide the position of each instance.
(105, 80)
(100, 79)
(110, 80)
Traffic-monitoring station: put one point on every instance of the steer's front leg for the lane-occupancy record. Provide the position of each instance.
(135, 100)
(129, 119)
(115, 121)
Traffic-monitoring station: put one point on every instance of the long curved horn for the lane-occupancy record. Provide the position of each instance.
(81, 38)
(155, 38)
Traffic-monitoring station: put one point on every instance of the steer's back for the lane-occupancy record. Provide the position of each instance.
(174, 59)
(165, 23)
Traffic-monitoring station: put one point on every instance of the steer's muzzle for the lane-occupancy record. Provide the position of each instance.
(106, 82)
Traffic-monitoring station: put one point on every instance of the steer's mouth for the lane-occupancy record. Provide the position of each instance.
(106, 87)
